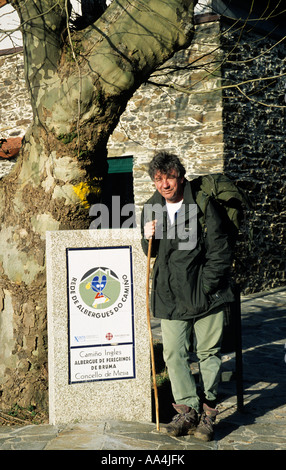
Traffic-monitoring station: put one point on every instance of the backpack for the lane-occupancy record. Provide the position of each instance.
(231, 202)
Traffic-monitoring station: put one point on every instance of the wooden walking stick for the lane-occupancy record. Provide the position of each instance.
(151, 337)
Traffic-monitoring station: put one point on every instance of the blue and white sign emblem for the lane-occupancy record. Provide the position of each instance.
(99, 288)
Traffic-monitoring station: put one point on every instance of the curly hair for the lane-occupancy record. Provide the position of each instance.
(164, 162)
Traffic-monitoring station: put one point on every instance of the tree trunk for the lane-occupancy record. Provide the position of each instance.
(79, 84)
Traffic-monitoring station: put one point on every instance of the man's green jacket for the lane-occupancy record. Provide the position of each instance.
(191, 272)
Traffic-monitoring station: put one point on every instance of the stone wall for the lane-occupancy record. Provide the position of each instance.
(189, 125)
(254, 149)
(15, 110)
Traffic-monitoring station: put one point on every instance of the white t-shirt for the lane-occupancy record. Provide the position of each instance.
(172, 209)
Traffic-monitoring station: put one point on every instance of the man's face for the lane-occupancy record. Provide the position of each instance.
(169, 185)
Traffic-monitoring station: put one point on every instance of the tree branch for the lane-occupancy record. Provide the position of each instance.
(190, 91)
(42, 25)
(145, 34)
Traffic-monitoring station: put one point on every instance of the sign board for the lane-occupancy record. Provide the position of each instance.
(100, 313)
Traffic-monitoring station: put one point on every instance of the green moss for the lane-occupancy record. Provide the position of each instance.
(73, 50)
(67, 138)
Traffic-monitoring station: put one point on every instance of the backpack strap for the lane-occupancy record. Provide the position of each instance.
(202, 200)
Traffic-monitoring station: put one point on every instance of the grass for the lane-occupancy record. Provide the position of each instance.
(18, 415)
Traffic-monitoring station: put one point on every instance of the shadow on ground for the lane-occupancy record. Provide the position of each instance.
(264, 380)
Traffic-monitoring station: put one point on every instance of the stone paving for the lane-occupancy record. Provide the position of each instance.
(261, 425)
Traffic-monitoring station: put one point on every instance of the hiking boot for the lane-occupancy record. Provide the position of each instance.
(205, 430)
(184, 422)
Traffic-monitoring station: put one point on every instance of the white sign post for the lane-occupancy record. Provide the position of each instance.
(98, 341)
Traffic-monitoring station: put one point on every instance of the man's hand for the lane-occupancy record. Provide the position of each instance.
(149, 229)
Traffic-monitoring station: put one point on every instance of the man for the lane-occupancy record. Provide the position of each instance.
(190, 287)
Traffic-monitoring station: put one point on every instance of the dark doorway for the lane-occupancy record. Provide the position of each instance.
(117, 193)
